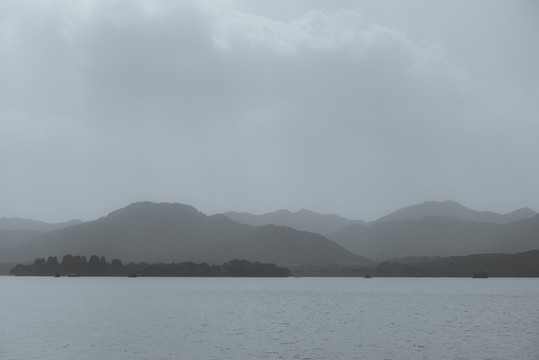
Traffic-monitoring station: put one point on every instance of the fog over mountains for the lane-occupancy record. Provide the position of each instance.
(434, 236)
(304, 220)
(11, 238)
(27, 224)
(441, 229)
(165, 232)
(433, 228)
(454, 210)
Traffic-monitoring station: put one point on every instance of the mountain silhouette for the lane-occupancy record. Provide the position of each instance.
(11, 238)
(452, 209)
(304, 220)
(27, 224)
(437, 236)
(166, 232)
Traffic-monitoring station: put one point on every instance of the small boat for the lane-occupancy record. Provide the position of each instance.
(57, 275)
(479, 275)
(368, 276)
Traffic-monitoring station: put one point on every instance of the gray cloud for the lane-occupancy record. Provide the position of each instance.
(344, 107)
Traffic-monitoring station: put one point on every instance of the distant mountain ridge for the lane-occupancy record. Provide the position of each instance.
(304, 220)
(437, 236)
(166, 232)
(169, 232)
(452, 209)
(15, 224)
(11, 238)
(16, 231)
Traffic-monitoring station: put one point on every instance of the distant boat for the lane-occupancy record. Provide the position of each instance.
(57, 275)
(368, 276)
(479, 275)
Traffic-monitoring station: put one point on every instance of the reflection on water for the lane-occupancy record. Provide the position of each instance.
(288, 318)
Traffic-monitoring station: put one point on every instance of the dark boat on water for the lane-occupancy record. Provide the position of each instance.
(368, 276)
(57, 275)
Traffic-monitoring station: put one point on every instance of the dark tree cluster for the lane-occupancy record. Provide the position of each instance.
(233, 268)
(244, 268)
(98, 266)
(182, 269)
(70, 265)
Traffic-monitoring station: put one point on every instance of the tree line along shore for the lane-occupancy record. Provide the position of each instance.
(525, 264)
(77, 265)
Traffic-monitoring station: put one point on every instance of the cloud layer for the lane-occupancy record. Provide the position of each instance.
(229, 107)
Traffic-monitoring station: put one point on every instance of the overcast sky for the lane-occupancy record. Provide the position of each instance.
(350, 107)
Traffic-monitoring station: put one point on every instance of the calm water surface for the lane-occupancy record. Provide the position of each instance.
(281, 318)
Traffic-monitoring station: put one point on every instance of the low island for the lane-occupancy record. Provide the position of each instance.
(76, 265)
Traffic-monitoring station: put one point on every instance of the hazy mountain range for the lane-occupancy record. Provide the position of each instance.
(434, 236)
(174, 232)
(11, 238)
(304, 220)
(433, 228)
(454, 210)
(15, 224)
(16, 231)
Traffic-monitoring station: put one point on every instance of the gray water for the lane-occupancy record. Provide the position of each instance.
(269, 318)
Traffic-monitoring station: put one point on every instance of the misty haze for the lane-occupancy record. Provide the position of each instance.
(238, 179)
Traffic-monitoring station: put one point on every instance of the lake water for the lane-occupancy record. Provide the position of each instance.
(268, 318)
